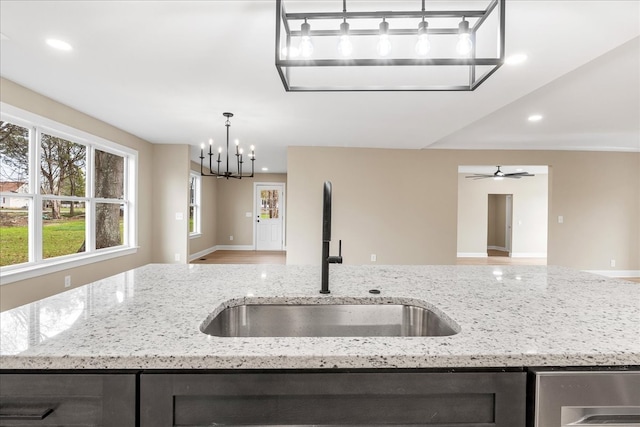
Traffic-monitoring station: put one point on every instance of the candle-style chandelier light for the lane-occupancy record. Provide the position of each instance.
(215, 171)
(412, 49)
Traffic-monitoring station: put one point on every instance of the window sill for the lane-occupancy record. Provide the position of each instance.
(57, 264)
(195, 235)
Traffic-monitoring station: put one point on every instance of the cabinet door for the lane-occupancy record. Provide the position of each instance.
(333, 399)
(45, 399)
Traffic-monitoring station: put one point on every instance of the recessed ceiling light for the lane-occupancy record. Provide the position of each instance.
(535, 118)
(265, 169)
(516, 59)
(59, 44)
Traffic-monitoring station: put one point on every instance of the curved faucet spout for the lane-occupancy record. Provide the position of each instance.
(326, 212)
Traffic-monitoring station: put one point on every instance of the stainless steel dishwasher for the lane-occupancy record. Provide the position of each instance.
(587, 398)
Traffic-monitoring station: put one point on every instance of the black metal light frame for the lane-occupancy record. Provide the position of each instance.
(283, 64)
(239, 160)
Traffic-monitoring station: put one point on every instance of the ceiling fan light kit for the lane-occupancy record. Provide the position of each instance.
(499, 175)
(413, 49)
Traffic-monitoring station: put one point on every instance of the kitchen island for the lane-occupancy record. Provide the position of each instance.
(150, 318)
(146, 322)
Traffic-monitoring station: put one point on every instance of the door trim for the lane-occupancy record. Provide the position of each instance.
(283, 212)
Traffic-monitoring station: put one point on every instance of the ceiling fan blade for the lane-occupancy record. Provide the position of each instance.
(518, 174)
(479, 176)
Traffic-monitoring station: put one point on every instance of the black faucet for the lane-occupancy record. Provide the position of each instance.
(326, 239)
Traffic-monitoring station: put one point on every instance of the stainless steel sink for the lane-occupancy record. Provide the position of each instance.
(327, 320)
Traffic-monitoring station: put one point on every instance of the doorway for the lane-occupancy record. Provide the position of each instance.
(269, 212)
(499, 224)
(524, 234)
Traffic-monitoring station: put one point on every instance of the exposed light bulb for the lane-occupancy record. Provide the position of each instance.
(291, 52)
(345, 48)
(384, 44)
(306, 47)
(465, 45)
(423, 45)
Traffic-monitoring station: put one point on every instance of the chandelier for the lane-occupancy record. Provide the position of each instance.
(414, 49)
(239, 157)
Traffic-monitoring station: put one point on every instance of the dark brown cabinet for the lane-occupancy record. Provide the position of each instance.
(436, 399)
(328, 398)
(76, 399)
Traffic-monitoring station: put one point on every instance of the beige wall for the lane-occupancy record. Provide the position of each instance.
(235, 199)
(402, 205)
(171, 167)
(530, 214)
(24, 291)
(209, 194)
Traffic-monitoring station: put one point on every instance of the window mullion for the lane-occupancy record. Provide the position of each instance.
(35, 210)
(90, 210)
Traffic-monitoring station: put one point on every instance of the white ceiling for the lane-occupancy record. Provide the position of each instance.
(167, 70)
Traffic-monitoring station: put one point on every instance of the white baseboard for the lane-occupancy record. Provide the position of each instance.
(471, 254)
(235, 248)
(202, 253)
(498, 248)
(615, 273)
(528, 254)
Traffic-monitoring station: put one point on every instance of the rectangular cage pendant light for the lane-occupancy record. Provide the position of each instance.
(345, 46)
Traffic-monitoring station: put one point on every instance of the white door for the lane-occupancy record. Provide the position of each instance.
(269, 217)
(508, 223)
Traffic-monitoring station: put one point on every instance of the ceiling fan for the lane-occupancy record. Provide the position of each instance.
(499, 175)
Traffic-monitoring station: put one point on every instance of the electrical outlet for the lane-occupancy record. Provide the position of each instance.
(179, 216)
(613, 263)
(248, 214)
(177, 257)
(560, 219)
(230, 237)
(67, 281)
(374, 258)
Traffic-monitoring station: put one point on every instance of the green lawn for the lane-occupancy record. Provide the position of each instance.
(14, 245)
(62, 238)
(59, 238)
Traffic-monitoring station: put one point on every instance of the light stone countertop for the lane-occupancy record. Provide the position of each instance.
(149, 318)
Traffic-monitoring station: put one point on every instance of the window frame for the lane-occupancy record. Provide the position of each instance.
(37, 265)
(196, 204)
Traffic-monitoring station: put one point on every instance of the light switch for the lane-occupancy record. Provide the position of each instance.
(560, 219)
(248, 214)
(179, 216)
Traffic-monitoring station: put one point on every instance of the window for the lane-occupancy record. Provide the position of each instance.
(67, 196)
(194, 204)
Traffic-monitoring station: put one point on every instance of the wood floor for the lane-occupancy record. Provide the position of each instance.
(243, 257)
(279, 257)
